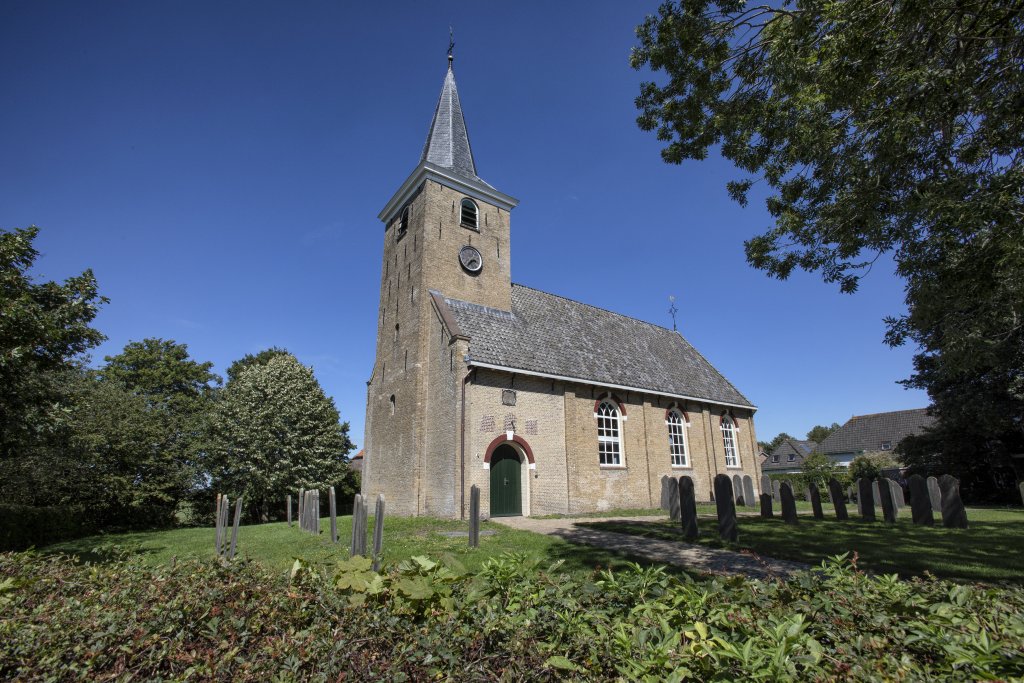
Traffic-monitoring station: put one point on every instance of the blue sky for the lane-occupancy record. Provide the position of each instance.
(220, 167)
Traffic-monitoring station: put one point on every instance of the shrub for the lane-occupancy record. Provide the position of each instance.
(511, 620)
(24, 526)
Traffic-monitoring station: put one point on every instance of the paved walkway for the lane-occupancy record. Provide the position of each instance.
(687, 555)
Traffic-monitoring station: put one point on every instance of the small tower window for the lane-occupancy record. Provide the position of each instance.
(470, 215)
(396, 332)
(392, 402)
(403, 223)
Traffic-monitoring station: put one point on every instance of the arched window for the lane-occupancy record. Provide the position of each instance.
(392, 402)
(609, 444)
(677, 438)
(470, 215)
(732, 458)
(403, 223)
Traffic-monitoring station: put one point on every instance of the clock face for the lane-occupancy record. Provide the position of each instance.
(471, 259)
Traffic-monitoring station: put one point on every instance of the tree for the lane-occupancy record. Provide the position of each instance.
(874, 128)
(44, 329)
(870, 466)
(817, 469)
(769, 446)
(819, 433)
(273, 431)
(249, 359)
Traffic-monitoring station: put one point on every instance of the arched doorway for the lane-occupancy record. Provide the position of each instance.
(506, 486)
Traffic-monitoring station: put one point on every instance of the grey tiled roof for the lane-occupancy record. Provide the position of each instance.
(553, 335)
(867, 432)
(800, 449)
(448, 140)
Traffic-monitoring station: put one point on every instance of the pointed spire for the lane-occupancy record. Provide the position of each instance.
(448, 141)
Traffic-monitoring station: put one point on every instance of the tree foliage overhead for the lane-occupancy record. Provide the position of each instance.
(44, 328)
(873, 128)
(819, 433)
(275, 430)
(250, 359)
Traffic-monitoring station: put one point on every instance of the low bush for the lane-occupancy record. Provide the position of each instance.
(511, 620)
(24, 526)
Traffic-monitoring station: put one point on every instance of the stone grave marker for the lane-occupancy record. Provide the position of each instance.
(726, 505)
(866, 499)
(920, 503)
(665, 492)
(875, 493)
(1021, 492)
(934, 494)
(673, 499)
(766, 506)
(885, 498)
(378, 530)
(737, 489)
(954, 516)
(474, 516)
(788, 503)
(814, 495)
(776, 490)
(748, 491)
(835, 492)
(899, 497)
(766, 484)
(688, 508)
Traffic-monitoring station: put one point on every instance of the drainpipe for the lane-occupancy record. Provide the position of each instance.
(462, 443)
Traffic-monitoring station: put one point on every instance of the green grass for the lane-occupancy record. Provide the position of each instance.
(276, 545)
(991, 550)
(702, 509)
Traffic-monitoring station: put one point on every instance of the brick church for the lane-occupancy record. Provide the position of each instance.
(549, 405)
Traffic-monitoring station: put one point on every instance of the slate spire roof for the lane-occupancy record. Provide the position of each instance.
(448, 140)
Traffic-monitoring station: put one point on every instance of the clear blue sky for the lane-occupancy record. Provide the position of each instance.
(220, 167)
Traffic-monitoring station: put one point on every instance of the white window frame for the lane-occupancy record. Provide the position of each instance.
(677, 436)
(475, 225)
(609, 431)
(730, 443)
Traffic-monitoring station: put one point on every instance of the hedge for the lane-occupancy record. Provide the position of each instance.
(425, 620)
(24, 526)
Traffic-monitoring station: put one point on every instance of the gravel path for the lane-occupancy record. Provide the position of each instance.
(687, 555)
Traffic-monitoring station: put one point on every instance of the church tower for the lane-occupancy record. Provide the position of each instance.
(446, 233)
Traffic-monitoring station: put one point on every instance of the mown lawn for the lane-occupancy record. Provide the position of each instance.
(991, 550)
(276, 545)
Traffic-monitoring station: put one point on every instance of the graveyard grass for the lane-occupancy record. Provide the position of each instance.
(276, 546)
(991, 550)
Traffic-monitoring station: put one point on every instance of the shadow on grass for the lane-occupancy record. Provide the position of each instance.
(991, 550)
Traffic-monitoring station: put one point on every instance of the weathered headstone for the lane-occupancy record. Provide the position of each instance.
(814, 495)
(788, 503)
(688, 508)
(934, 494)
(885, 498)
(673, 499)
(920, 504)
(766, 484)
(302, 508)
(866, 499)
(835, 492)
(726, 506)
(357, 506)
(334, 514)
(875, 493)
(378, 531)
(216, 524)
(898, 496)
(777, 490)
(289, 505)
(748, 491)
(766, 506)
(474, 516)
(1021, 487)
(234, 528)
(665, 494)
(954, 516)
(737, 489)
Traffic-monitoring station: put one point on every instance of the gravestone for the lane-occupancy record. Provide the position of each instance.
(737, 489)
(688, 508)
(865, 499)
(665, 495)
(835, 491)
(875, 493)
(954, 516)
(474, 516)
(289, 509)
(726, 506)
(357, 507)
(673, 499)
(898, 496)
(766, 484)
(934, 494)
(777, 490)
(378, 530)
(234, 528)
(1022, 492)
(748, 491)
(332, 505)
(766, 506)
(920, 503)
(885, 498)
(814, 496)
(788, 503)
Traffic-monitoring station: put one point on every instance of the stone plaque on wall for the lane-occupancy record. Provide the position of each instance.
(508, 397)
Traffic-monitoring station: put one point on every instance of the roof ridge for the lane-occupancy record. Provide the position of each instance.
(583, 303)
(891, 412)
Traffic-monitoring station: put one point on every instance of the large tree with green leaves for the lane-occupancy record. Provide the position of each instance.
(819, 433)
(45, 328)
(871, 128)
(275, 430)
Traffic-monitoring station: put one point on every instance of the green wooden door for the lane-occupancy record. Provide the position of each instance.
(506, 500)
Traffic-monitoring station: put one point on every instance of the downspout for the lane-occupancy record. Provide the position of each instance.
(647, 452)
(462, 447)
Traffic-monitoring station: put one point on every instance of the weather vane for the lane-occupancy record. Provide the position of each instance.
(451, 44)
(672, 310)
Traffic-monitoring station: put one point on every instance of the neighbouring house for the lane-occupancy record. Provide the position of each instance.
(787, 457)
(875, 433)
(548, 405)
(356, 463)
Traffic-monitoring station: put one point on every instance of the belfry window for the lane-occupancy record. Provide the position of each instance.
(677, 438)
(732, 458)
(609, 444)
(470, 215)
(403, 223)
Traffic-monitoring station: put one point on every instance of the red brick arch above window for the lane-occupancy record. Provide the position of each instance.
(608, 395)
(498, 441)
(677, 407)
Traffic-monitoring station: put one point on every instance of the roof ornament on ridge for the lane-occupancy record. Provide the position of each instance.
(448, 140)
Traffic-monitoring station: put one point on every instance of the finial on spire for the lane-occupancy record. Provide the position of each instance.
(451, 46)
(672, 310)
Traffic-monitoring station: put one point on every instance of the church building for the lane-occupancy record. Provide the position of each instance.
(548, 405)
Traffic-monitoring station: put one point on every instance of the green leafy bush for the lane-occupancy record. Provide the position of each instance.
(512, 620)
(24, 526)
